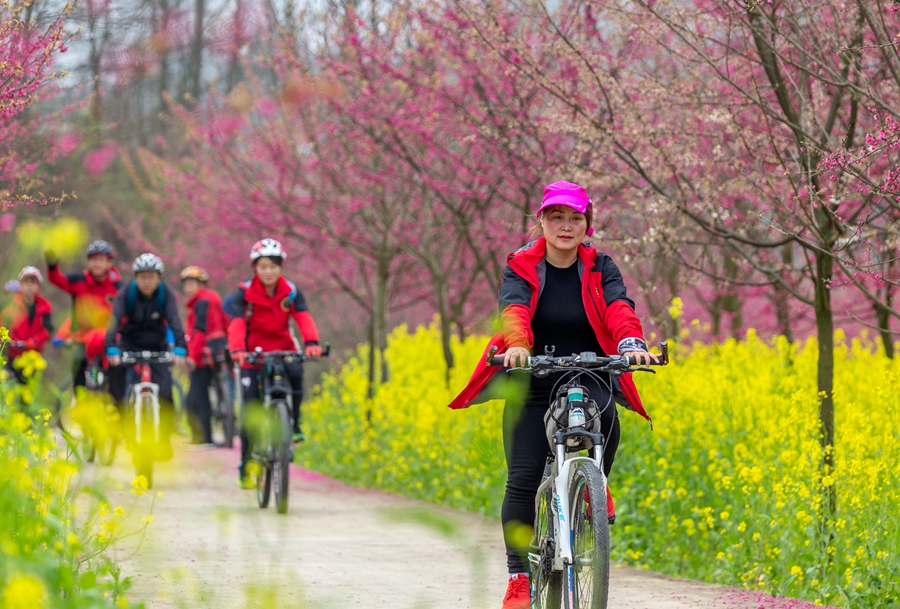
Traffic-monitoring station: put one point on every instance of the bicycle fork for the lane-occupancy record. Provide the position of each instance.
(563, 559)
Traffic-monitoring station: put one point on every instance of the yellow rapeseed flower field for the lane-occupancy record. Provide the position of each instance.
(725, 488)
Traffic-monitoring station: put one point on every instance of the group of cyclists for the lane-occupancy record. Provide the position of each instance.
(556, 291)
(111, 317)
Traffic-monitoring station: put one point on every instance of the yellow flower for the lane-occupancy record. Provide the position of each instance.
(24, 591)
(139, 485)
(676, 308)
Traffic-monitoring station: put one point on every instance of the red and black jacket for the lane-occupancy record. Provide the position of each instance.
(606, 303)
(92, 300)
(261, 320)
(27, 323)
(206, 322)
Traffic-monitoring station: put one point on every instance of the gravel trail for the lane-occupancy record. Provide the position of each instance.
(209, 545)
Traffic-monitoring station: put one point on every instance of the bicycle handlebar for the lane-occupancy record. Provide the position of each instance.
(614, 364)
(259, 356)
(149, 357)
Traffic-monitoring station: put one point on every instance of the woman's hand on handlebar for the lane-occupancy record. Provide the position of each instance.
(313, 351)
(642, 357)
(516, 357)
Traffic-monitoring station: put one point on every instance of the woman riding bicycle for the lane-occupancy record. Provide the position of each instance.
(261, 312)
(557, 292)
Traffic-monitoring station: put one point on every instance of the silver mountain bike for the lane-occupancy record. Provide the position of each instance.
(569, 552)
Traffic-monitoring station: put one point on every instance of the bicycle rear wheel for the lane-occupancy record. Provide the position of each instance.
(546, 583)
(281, 466)
(225, 406)
(62, 399)
(588, 581)
(263, 485)
(106, 439)
(74, 421)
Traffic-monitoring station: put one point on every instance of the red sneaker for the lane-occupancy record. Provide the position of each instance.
(610, 506)
(518, 594)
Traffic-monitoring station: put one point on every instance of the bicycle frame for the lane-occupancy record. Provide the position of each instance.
(141, 390)
(145, 388)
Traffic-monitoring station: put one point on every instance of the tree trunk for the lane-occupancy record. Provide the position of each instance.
(440, 290)
(163, 50)
(96, 107)
(781, 298)
(883, 314)
(825, 335)
(197, 50)
(370, 391)
(379, 314)
(716, 315)
(782, 312)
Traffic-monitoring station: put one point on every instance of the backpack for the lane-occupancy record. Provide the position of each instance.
(132, 294)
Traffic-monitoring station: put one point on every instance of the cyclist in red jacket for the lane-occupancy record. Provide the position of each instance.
(27, 317)
(206, 330)
(261, 313)
(93, 292)
(557, 291)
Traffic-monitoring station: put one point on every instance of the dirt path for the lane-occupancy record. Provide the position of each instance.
(209, 545)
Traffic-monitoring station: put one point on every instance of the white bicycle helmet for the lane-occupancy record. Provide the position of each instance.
(31, 271)
(148, 262)
(267, 248)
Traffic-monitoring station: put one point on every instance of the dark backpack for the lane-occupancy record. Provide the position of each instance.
(132, 294)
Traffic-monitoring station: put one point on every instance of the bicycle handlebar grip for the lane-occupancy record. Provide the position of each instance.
(497, 361)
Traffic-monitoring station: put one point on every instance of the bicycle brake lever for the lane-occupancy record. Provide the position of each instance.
(643, 369)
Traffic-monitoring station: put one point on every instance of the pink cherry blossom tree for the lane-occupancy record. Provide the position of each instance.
(27, 52)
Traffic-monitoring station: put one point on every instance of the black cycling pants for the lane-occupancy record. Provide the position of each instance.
(198, 405)
(527, 449)
(250, 388)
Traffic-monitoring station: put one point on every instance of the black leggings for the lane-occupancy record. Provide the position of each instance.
(198, 405)
(527, 449)
(250, 388)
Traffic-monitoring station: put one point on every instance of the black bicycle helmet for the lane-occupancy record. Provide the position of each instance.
(100, 247)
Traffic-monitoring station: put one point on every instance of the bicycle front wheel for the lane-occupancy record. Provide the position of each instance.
(546, 583)
(281, 466)
(587, 580)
